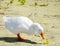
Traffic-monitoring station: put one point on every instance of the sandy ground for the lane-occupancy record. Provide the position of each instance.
(48, 16)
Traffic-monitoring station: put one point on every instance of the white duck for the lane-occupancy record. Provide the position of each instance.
(22, 24)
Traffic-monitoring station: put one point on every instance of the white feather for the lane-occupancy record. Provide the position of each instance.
(21, 24)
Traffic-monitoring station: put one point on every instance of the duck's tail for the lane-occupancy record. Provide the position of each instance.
(4, 18)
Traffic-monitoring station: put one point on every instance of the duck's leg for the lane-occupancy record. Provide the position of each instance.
(19, 37)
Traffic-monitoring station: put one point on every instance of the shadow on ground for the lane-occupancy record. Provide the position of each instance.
(14, 39)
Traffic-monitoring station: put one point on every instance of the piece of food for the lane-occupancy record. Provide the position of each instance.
(46, 41)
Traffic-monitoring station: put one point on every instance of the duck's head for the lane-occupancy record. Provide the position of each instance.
(39, 29)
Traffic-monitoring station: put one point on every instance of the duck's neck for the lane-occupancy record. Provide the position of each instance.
(32, 29)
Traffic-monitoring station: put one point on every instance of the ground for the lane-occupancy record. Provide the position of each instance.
(45, 13)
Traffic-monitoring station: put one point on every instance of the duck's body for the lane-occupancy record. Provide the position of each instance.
(22, 24)
(18, 24)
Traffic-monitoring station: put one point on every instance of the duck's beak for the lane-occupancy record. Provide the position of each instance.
(42, 35)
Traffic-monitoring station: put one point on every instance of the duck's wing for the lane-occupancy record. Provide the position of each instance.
(26, 21)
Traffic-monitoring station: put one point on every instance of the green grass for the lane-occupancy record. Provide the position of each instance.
(22, 1)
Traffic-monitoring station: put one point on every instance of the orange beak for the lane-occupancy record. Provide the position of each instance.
(42, 35)
(44, 38)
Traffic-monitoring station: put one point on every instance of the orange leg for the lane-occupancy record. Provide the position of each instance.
(19, 37)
